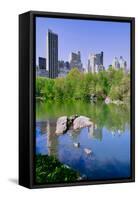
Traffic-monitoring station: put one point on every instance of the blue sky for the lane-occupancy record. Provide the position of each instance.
(86, 36)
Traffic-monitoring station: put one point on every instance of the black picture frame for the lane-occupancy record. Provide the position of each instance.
(27, 94)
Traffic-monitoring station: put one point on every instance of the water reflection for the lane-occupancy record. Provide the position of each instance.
(42, 125)
(95, 132)
(52, 140)
(108, 139)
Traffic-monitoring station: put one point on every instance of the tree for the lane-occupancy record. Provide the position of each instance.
(48, 90)
(77, 85)
(59, 88)
(40, 83)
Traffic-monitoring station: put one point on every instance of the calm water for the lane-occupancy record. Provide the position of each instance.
(108, 138)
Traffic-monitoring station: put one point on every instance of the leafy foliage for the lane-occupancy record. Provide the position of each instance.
(50, 170)
(80, 86)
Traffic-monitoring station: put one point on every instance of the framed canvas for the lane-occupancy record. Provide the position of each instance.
(76, 99)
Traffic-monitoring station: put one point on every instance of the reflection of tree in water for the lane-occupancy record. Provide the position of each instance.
(115, 118)
(52, 140)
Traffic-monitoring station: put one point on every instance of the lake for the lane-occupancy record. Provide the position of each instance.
(108, 138)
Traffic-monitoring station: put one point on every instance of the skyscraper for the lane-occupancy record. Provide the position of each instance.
(75, 60)
(115, 63)
(41, 70)
(119, 63)
(42, 63)
(123, 63)
(95, 62)
(52, 54)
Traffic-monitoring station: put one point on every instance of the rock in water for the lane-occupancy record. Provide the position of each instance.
(70, 120)
(81, 122)
(61, 126)
(88, 151)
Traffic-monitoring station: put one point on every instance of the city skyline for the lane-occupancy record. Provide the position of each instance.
(86, 36)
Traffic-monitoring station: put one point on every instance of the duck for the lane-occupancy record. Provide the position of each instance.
(76, 144)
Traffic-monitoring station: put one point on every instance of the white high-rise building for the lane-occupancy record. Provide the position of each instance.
(119, 64)
(95, 62)
(91, 63)
(123, 63)
(115, 63)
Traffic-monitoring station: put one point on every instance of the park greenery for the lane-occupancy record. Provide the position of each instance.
(50, 170)
(111, 83)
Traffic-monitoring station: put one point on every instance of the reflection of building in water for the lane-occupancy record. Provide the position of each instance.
(117, 132)
(52, 140)
(95, 132)
(42, 126)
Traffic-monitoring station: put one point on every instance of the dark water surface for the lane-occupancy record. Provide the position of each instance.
(108, 138)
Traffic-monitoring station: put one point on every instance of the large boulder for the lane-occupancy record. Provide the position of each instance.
(61, 125)
(81, 122)
(74, 122)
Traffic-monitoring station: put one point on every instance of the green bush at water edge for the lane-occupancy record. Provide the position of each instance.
(50, 170)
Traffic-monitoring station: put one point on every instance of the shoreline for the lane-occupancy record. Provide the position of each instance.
(115, 102)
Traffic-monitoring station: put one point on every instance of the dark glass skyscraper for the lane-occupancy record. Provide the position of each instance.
(42, 63)
(52, 54)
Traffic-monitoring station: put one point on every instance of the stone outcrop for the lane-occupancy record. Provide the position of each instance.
(61, 126)
(81, 122)
(75, 122)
